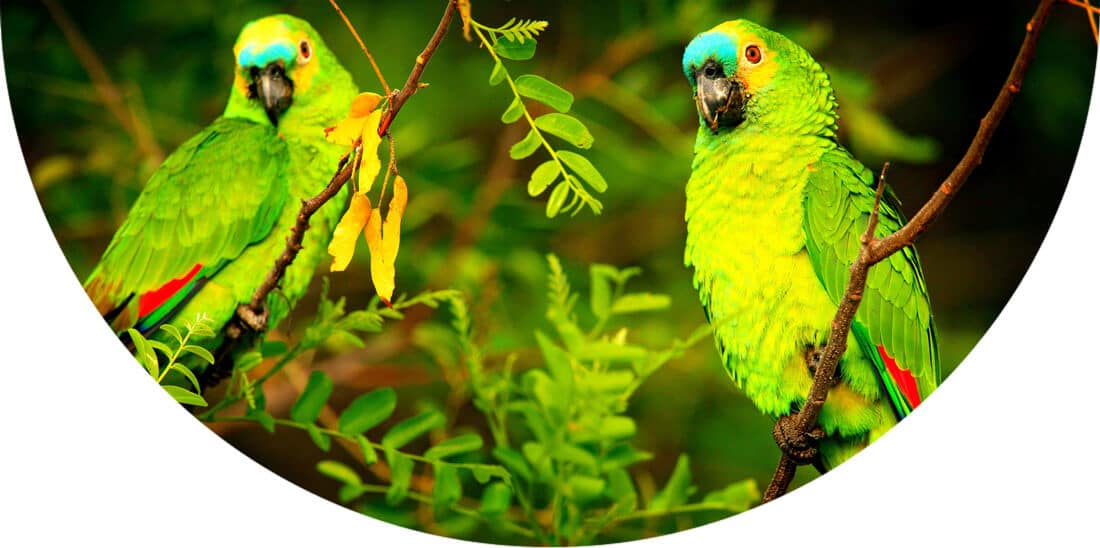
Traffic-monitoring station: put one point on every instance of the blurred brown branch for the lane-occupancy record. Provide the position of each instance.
(874, 250)
(252, 317)
(105, 87)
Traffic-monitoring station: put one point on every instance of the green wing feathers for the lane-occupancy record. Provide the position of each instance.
(894, 313)
(217, 193)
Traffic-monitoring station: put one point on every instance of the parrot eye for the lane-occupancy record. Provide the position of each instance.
(752, 54)
(305, 52)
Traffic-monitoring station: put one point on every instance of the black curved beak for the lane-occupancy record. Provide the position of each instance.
(271, 86)
(719, 99)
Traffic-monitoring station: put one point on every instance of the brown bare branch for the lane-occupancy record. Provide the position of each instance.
(251, 317)
(398, 99)
(874, 250)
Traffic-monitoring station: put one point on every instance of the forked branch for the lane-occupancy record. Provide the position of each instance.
(874, 250)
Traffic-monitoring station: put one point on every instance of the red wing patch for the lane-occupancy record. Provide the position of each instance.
(152, 300)
(903, 378)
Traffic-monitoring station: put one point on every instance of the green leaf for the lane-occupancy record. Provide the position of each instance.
(248, 361)
(568, 128)
(313, 398)
(186, 397)
(411, 428)
(678, 488)
(544, 91)
(448, 488)
(584, 488)
(368, 410)
(620, 487)
(264, 418)
(401, 469)
(640, 302)
(319, 438)
(623, 455)
(199, 351)
(737, 497)
(514, 462)
(542, 177)
(557, 361)
(498, 74)
(144, 353)
(515, 111)
(556, 200)
(183, 370)
(514, 50)
(617, 428)
(496, 499)
(369, 455)
(454, 446)
(273, 348)
(610, 352)
(526, 146)
(576, 455)
(600, 276)
(339, 472)
(163, 348)
(585, 169)
(174, 332)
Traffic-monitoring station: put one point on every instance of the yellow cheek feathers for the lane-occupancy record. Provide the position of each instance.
(266, 38)
(753, 77)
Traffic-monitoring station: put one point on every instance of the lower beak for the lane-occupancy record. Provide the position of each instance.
(720, 101)
(274, 89)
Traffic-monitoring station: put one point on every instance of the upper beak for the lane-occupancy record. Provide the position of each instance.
(719, 99)
(274, 89)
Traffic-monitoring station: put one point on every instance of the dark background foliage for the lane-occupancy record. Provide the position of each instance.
(930, 67)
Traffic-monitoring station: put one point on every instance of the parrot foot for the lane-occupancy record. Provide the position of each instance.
(256, 321)
(800, 446)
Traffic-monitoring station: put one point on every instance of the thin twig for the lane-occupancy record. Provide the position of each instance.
(251, 315)
(413, 83)
(362, 46)
(874, 250)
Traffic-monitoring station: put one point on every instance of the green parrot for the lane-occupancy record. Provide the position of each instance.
(775, 210)
(214, 216)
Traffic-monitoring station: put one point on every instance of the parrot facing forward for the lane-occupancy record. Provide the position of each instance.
(775, 211)
(214, 216)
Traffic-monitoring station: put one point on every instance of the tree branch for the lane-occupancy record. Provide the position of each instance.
(251, 317)
(398, 99)
(874, 250)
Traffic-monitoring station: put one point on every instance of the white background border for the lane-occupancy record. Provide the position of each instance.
(1002, 453)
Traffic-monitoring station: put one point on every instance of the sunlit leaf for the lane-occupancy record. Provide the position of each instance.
(496, 499)
(544, 91)
(339, 472)
(368, 410)
(514, 112)
(497, 75)
(447, 489)
(401, 469)
(585, 169)
(319, 438)
(678, 488)
(346, 233)
(566, 127)
(542, 177)
(384, 239)
(454, 446)
(308, 407)
(526, 146)
(412, 428)
(557, 199)
(514, 50)
(738, 496)
(184, 396)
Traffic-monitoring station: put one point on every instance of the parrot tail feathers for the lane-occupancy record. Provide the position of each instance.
(898, 384)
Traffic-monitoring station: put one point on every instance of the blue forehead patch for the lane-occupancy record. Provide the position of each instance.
(713, 44)
(253, 56)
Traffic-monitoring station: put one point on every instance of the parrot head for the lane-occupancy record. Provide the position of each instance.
(744, 75)
(280, 59)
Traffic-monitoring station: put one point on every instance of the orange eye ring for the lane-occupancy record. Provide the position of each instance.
(753, 54)
(305, 51)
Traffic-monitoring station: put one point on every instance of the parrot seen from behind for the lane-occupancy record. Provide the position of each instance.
(775, 211)
(214, 216)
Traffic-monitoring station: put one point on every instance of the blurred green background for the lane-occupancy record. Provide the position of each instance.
(914, 78)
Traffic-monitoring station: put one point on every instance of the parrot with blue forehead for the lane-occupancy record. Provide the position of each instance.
(211, 220)
(775, 211)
